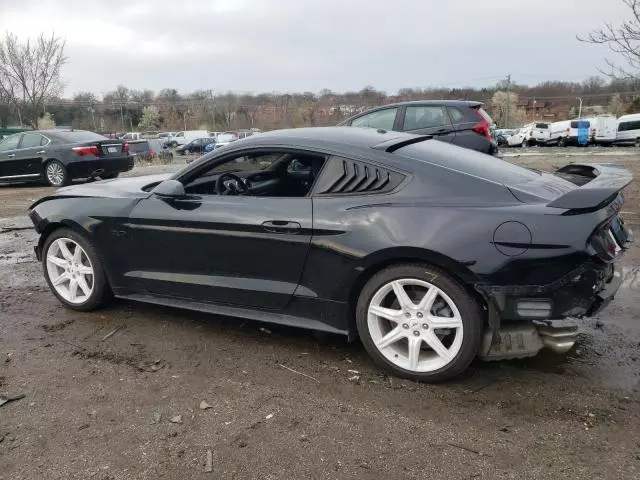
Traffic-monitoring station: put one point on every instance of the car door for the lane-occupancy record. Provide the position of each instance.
(29, 156)
(238, 250)
(8, 148)
(428, 120)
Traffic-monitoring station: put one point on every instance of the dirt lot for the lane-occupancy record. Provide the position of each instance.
(100, 405)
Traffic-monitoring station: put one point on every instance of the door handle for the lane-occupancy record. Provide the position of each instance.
(11, 155)
(281, 226)
(40, 152)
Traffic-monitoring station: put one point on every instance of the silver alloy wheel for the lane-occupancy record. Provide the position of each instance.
(415, 325)
(70, 270)
(55, 174)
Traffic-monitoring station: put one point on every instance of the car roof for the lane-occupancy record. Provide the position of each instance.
(450, 103)
(322, 136)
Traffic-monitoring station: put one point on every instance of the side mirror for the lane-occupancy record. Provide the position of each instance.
(170, 189)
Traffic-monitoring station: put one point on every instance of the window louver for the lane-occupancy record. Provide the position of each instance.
(348, 176)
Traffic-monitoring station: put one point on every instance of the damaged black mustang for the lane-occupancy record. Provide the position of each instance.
(432, 254)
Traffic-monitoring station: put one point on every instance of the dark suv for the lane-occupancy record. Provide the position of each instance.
(461, 122)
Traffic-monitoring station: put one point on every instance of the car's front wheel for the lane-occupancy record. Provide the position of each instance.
(56, 173)
(73, 271)
(419, 323)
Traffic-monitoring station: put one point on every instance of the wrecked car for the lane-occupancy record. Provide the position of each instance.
(429, 253)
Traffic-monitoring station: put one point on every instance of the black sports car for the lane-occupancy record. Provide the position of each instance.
(59, 156)
(432, 254)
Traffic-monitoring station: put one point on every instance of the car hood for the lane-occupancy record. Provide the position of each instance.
(132, 187)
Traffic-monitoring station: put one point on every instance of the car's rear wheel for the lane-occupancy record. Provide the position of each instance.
(73, 271)
(562, 142)
(419, 323)
(56, 173)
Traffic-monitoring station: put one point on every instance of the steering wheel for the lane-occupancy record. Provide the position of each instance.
(237, 188)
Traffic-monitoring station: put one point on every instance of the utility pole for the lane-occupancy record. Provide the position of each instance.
(508, 106)
(580, 110)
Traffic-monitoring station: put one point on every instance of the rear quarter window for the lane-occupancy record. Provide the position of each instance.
(75, 137)
(470, 162)
(542, 125)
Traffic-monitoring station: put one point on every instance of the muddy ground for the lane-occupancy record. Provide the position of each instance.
(99, 404)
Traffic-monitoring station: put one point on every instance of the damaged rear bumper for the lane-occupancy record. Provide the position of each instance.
(527, 319)
(582, 292)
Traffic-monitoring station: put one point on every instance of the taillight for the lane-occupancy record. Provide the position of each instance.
(482, 128)
(92, 150)
(125, 148)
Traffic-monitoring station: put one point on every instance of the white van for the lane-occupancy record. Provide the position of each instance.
(184, 137)
(559, 131)
(604, 129)
(629, 130)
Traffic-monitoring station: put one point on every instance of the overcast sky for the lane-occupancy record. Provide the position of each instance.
(307, 45)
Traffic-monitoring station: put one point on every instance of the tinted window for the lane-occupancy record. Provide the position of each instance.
(470, 162)
(626, 126)
(580, 123)
(10, 143)
(542, 125)
(456, 115)
(31, 140)
(80, 136)
(379, 119)
(138, 147)
(424, 116)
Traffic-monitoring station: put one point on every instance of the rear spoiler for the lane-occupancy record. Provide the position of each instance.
(599, 184)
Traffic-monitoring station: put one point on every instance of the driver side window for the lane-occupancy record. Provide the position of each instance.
(264, 174)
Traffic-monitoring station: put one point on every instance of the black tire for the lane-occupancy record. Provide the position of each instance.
(562, 142)
(108, 176)
(637, 143)
(468, 306)
(101, 290)
(56, 174)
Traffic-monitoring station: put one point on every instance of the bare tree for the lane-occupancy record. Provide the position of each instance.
(624, 40)
(30, 73)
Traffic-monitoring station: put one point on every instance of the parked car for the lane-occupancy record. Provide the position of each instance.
(502, 134)
(629, 130)
(131, 136)
(519, 138)
(539, 133)
(59, 156)
(430, 253)
(141, 150)
(462, 123)
(184, 137)
(195, 146)
(225, 139)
